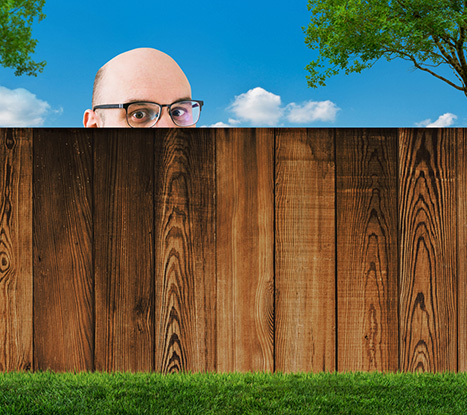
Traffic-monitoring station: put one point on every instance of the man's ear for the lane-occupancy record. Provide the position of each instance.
(90, 119)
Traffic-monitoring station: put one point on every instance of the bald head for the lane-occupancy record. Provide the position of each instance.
(143, 74)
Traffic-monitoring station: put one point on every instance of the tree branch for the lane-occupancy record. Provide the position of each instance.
(460, 52)
(449, 58)
(418, 66)
(450, 41)
(402, 4)
(407, 56)
(18, 7)
(398, 52)
(451, 61)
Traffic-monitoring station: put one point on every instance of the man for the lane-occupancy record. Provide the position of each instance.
(142, 88)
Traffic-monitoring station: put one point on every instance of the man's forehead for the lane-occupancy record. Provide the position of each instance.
(160, 94)
(150, 87)
(145, 65)
(143, 75)
(141, 57)
(181, 98)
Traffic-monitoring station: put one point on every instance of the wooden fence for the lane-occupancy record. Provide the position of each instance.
(233, 249)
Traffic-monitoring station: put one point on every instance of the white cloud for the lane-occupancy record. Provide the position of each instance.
(311, 111)
(21, 108)
(220, 124)
(444, 120)
(258, 107)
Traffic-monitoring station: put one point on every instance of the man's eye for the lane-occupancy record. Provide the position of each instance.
(140, 115)
(178, 112)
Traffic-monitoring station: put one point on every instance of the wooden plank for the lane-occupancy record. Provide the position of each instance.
(62, 243)
(305, 250)
(123, 235)
(185, 250)
(245, 250)
(15, 249)
(428, 282)
(462, 247)
(366, 195)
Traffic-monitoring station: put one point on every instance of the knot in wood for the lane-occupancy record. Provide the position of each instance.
(9, 140)
(4, 262)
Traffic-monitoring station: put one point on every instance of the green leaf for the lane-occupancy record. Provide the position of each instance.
(352, 35)
(16, 42)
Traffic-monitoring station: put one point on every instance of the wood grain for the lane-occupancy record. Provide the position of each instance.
(62, 243)
(428, 283)
(185, 250)
(16, 326)
(462, 247)
(245, 250)
(123, 237)
(305, 250)
(367, 249)
(233, 249)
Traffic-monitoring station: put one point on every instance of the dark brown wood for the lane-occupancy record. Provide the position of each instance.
(462, 247)
(245, 250)
(366, 195)
(123, 237)
(428, 282)
(62, 243)
(233, 249)
(16, 326)
(185, 250)
(305, 250)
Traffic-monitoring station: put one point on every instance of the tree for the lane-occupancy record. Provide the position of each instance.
(16, 43)
(352, 35)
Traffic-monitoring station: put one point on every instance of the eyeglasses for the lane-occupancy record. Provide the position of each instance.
(146, 114)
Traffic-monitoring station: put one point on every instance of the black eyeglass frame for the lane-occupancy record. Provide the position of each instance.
(126, 105)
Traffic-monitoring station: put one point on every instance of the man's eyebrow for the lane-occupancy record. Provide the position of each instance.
(184, 99)
(131, 100)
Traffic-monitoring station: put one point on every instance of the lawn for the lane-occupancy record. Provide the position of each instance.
(251, 393)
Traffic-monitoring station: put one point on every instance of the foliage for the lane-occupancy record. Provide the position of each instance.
(352, 35)
(16, 42)
(232, 393)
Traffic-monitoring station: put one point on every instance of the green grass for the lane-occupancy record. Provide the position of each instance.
(326, 393)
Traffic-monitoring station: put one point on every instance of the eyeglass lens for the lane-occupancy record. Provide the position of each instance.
(146, 114)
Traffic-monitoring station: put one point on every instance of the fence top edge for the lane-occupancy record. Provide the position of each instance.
(229, 128)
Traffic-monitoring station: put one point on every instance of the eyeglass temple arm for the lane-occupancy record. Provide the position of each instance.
(103, 107)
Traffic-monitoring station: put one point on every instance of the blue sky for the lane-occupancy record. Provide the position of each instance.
(245, 59)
